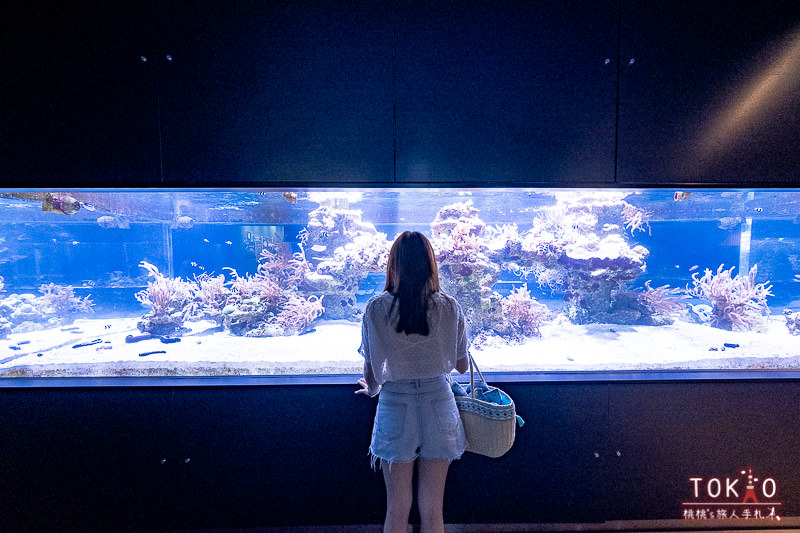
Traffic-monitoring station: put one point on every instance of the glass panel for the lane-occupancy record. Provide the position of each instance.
(257, 282)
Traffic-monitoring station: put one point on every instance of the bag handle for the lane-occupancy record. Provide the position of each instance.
(472, 364)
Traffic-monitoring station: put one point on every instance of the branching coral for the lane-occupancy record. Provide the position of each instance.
(259, 307)
(60, 300)
(210, 295)
(660, 301)
(281, 265)
(738, 302)
(56, 306)
(635, 219)
(171, 302)
(254, 285)
(524, 313)
(298, 313)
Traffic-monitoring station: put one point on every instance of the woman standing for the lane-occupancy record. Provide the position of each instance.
(413, 336)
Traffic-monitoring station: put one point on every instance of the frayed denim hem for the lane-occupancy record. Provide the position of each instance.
(374, 459)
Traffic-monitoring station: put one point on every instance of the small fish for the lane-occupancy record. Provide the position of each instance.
(680, 196)
(75, 243)
(60, 203)
(228, 242)
(729, 222)
(87, 206)
(206, 240)
(107, 221)
(677, 266)
(796, 278)
(201, 267)
(183, 222)
(107, 326)
(694, 267)
(759, 209)
(290, 197)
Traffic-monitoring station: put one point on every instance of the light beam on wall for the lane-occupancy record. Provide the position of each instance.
(753, 106)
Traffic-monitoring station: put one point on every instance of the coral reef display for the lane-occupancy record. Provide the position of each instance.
(466, 271)
(57, 306)
(576, 245)
(171, 302)
(341, 249)
(738, 303)
(274, 282)
(258, 307)
(522, 315)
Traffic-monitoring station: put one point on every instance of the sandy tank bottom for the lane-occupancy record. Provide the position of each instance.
(98, 347)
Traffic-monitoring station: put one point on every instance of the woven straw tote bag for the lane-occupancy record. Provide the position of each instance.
(490, 427)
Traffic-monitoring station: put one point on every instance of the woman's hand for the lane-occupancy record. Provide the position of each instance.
(364, 387)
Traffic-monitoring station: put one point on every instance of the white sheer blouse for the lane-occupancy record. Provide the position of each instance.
(394, 356)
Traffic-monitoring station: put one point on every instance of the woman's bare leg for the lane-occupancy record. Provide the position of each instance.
(398, 495)
(430, 493)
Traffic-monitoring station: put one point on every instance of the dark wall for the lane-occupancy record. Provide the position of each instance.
(101, 459)
(99, 94)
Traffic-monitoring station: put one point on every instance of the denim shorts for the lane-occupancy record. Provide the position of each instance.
(417, 418)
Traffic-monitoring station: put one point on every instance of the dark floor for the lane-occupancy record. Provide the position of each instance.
(666, 526)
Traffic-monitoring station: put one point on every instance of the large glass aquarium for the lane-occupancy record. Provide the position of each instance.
(263, 282)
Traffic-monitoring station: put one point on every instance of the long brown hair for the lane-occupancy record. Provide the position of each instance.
(412, 277)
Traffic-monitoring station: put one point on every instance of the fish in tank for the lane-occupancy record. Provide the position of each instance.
(208, 282)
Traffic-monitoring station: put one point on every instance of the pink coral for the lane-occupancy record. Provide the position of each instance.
(660, 301)
(166, 296)
(255, 285)
(298, 313)
(211, 295)
(282, 266)
(738, 302)
(524, 312)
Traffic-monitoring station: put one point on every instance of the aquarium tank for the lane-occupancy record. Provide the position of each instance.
(206, 282)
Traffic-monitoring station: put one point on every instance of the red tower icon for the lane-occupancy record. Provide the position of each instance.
(750, 494)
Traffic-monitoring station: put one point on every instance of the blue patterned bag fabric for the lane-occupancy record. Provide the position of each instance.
(483, 392)
(486, 393)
